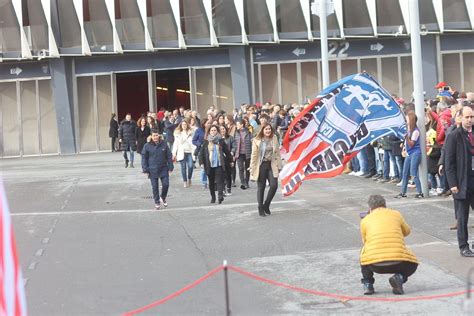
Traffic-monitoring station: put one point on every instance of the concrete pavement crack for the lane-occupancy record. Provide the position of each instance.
(206, 264)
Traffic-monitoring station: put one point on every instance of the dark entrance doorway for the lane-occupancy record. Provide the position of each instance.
(132, 94)
(172, 89)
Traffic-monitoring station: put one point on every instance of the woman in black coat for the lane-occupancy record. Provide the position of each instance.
(215, 156)
(142, 133)
(113, 130)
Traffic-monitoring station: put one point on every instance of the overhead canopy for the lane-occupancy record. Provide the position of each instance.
(117, 26)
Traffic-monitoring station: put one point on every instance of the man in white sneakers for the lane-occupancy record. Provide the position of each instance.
(157, 164)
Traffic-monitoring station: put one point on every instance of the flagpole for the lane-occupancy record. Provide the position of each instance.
(323, 28)
(418, 97)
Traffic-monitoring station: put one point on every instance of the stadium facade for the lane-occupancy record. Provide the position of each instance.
(65, 65)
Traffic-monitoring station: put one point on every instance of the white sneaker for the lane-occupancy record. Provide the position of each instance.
(359, 173)
(433, 192)
(439, 190)
(399, 184)
(164, 203)
(352, 173)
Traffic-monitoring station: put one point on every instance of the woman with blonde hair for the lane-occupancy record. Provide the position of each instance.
(265, 165)
(183, 150)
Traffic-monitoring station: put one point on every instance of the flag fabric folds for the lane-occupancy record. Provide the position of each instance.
(344, 118)
(12, 294)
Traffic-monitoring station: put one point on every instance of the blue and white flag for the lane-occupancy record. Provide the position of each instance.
(345, 117)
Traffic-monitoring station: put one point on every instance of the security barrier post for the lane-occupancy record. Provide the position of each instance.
(226, 285)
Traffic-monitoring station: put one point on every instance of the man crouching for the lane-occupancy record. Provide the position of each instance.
(384, 251)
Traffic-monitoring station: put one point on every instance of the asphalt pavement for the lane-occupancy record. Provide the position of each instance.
(91, 243)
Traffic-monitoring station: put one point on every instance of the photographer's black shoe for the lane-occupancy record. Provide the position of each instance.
(396, 281)
(467, 253)
(368, 289)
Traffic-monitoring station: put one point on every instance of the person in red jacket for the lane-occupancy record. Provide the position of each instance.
(443, 118)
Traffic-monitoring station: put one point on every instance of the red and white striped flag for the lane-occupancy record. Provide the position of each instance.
(12, 293)
(344, 118)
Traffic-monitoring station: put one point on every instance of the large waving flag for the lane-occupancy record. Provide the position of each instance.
(344, 118)
(12, 295)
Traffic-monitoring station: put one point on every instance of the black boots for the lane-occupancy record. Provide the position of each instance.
(126, 163)
(266, 208)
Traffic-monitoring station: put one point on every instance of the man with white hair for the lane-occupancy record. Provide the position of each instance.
(459, 169)
(470, 97)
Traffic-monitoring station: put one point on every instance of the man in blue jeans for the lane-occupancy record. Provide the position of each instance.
(157, 164)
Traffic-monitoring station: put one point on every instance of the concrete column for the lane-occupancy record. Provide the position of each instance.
(151, 90)
(429, 65)
(62, 80)
(241, 76)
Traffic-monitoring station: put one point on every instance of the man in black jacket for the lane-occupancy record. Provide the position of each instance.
(459, 166)
(127, 139)
(113, 130)
(243, 140)
(157, 163)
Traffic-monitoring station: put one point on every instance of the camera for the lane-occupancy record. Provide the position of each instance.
(363, 214)
(447, 88)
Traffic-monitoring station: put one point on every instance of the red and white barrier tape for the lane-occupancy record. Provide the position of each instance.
(177, 293)
(293, 288)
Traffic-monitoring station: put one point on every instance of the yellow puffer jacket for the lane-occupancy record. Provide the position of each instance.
(382, 233)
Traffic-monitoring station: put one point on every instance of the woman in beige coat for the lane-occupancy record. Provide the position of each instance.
(265, 164)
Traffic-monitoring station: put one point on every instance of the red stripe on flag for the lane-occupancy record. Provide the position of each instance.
(305, 161)
(12, 295)
(300, 148)
(322, 175)
(3, 310)
(286, 139)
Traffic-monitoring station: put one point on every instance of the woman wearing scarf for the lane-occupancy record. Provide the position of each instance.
(265, 164)
(214, 156)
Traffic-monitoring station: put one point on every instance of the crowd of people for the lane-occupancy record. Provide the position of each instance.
(396, 161)
(247, 142)
(239, 142)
